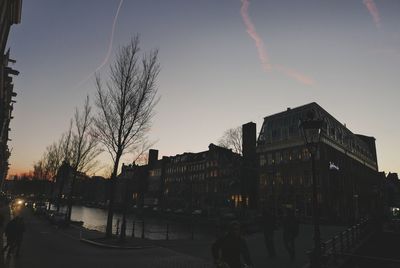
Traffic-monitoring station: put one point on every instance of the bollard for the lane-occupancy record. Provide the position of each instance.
(142, 229)
(117, 231)
(167, 233)
(133, 229)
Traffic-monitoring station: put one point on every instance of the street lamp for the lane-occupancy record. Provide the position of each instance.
(311, 129)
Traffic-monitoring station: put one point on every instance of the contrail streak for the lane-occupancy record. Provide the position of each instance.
(262, 52)
(110, 45)
(251, 30)
(296, 75)
(373, 10)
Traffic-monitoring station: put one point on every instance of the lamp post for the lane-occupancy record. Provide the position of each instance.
(311, 129)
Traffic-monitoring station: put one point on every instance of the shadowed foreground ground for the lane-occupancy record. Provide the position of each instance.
(46, 246)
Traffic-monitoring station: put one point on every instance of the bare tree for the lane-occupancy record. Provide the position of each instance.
(232, 139)
(83, 148)
(39, 170)
(47, 167)
(125, 108)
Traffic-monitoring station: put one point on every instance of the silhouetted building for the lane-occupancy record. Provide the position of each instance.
(346, 166)
(132, 185)
(10, 13)
(392, 190)
(209, 180)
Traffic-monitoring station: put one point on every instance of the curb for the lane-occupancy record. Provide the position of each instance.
(102, 245)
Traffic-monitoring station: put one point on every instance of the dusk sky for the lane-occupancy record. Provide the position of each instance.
(223, 63)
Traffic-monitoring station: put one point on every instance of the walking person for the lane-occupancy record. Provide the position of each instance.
(10, 233)
(19, 234)
(228, 250)
(269, 225)
(290, 226)
(14, 232)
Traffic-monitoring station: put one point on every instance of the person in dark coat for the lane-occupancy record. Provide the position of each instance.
(268, 225)
(228, 250)
(14, 232)
(10, 232)
(290, 226)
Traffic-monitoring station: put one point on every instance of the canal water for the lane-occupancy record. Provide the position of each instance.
(154, 228)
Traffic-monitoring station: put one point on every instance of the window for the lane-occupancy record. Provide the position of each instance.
(285, 156)
(262, 160)
(269, 159)
(278, 157)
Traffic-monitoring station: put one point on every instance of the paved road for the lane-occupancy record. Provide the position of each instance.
(46, 246)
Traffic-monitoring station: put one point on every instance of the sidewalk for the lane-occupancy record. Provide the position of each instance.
(45, 245)
(201, 248)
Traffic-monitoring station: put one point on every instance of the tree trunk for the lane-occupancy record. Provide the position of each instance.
(60, 195)
(51, 194)
(125, 210)
(71, 193)
(111, 200)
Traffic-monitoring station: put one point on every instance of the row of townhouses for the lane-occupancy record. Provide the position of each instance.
(10, 13)
(274, 172)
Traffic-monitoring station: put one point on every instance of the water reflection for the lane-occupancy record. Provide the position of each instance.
(96, 219)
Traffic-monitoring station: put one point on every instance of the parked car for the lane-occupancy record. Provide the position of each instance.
(168, 210)
(178, 211)
(57, 218)
(39, 208)
(197, 212)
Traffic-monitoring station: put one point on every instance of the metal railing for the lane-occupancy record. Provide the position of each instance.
(343, 242)
(167, 231)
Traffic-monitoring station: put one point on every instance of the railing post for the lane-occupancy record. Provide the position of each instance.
(167, 233)
(192, 231)
(117, 231)
(341, 242)
(334, 248)
(133, 229)
(143, 229)
(323, 248)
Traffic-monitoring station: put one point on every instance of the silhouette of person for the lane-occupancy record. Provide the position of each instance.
(14, 232)
(269, 224)
(228, 250)
(290, 226)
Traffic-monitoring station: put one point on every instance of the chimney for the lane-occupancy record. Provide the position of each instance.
(153, 157)
(249, 141)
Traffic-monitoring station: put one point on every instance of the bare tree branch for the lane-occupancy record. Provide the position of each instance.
(125, 107)
(232, 139)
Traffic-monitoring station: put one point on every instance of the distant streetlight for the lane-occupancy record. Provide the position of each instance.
(311, 129)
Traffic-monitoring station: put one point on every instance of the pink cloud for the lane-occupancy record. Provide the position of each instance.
(262, 52)
(373, 10)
